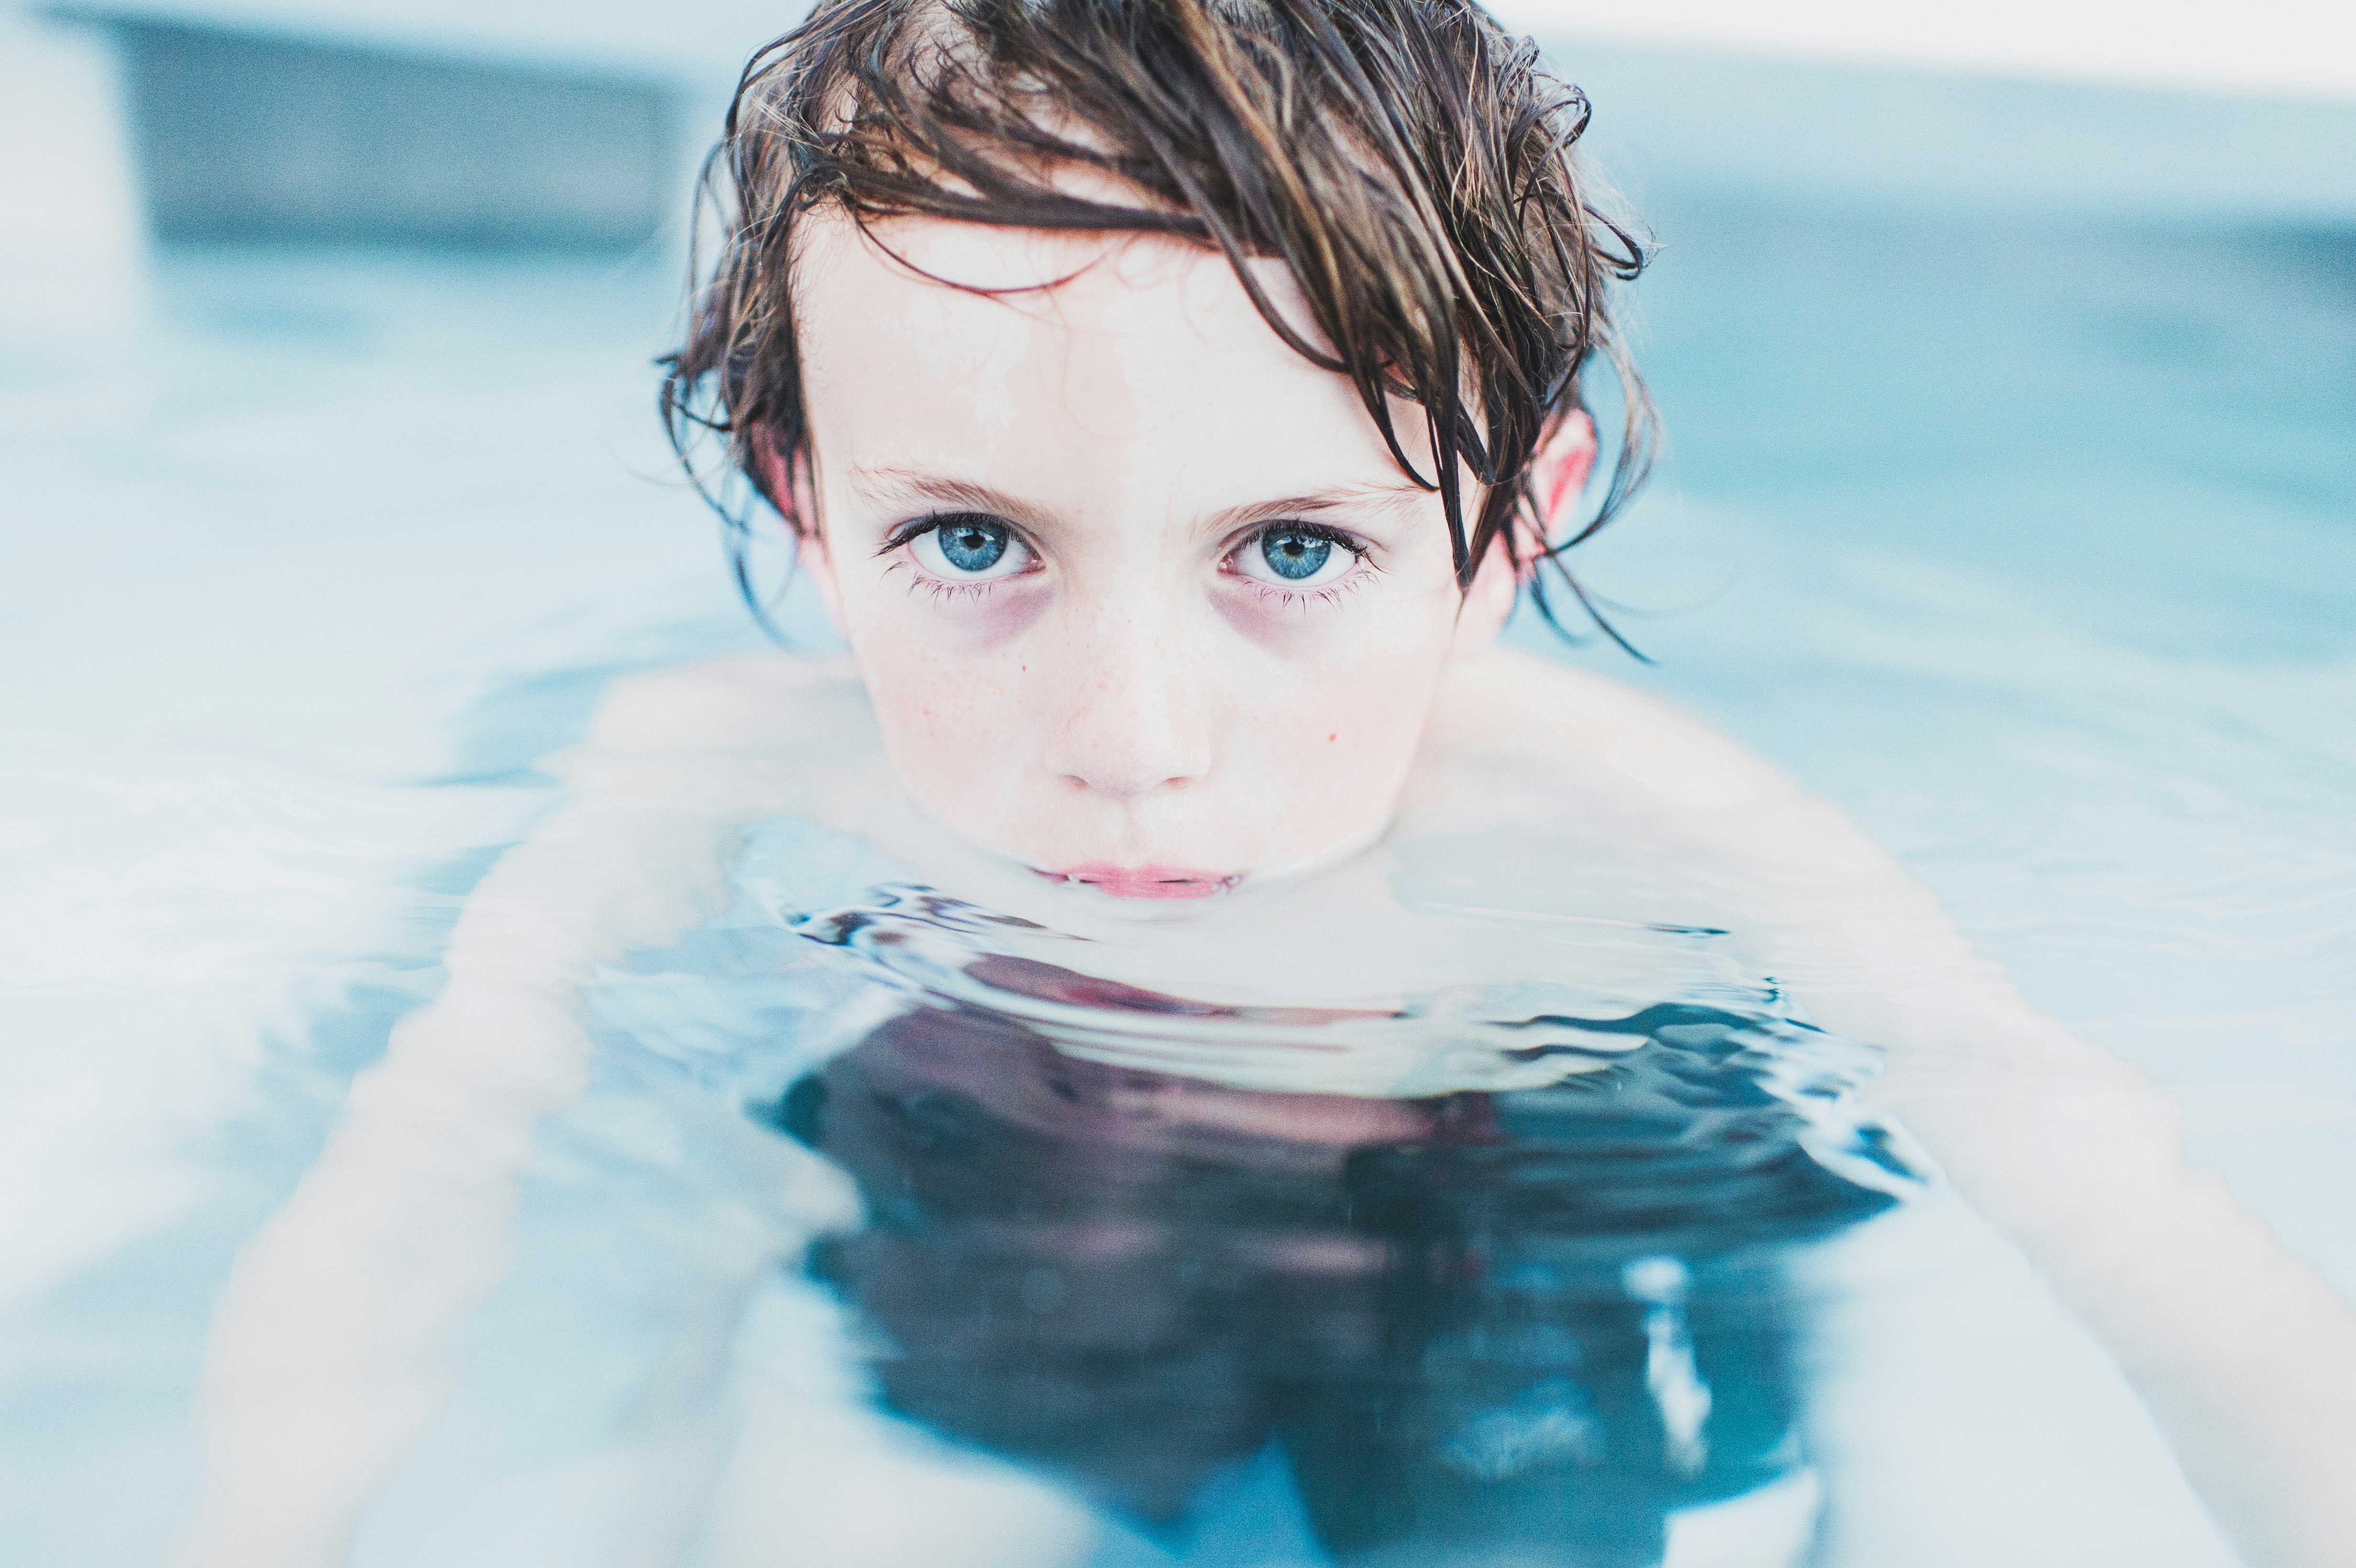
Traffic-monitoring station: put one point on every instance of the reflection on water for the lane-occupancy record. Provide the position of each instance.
(1517, 1325)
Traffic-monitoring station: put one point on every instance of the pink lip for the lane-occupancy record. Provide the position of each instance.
(1147, 881)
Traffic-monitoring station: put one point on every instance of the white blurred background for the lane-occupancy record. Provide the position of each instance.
(2261, 45)
(2244, 111)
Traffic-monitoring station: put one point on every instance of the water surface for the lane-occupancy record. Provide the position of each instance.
(2026, 541)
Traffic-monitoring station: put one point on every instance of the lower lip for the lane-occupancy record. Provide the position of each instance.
(1146, 881)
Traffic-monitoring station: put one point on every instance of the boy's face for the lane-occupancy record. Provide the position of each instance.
(1138, 592)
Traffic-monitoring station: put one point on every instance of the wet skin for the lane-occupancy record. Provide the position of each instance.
(1139, 595)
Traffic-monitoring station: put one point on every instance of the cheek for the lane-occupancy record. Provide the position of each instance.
(945, 680)
(943, 715)
(1348, 727)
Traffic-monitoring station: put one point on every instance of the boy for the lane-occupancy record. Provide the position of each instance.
(1170, 399)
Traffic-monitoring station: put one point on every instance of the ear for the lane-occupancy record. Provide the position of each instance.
(790, 480)
(1558, 471)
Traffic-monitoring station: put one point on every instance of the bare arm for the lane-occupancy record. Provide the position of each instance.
(327, 1358)
(2244, 1354)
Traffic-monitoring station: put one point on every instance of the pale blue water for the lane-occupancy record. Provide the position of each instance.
(2036, 549)
(2032, 544)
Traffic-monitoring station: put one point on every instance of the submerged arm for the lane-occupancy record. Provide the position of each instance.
(2244, 1353)
(327, 1354)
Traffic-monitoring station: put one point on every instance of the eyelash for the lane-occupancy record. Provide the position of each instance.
(1291, 599)
(942, 591)
(914, 527)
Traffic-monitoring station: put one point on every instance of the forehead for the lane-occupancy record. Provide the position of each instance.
(1123, 355)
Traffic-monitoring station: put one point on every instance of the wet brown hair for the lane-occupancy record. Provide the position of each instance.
(1408, 160)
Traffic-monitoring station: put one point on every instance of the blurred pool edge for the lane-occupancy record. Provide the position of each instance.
(1957, 141)
(73, 272)
(121, 126)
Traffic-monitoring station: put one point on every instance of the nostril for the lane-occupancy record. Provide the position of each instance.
(1119, 781)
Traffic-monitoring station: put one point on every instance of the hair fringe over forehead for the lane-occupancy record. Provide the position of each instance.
(1409, 162)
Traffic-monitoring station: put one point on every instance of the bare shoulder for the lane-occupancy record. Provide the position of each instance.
(753, 703)
(733, 739)
(1703, 799)
(1504, 703)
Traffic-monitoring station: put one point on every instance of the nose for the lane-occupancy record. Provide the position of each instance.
(1131, 721)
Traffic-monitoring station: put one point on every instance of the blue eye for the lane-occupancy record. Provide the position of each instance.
(1293, 555)
(971, 543)
(967, 549)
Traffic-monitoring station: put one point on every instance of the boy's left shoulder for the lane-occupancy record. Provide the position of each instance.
(750, 703)
(1506, 704)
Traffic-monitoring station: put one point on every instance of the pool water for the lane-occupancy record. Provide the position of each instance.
(2027, 541)
(1186, 1260)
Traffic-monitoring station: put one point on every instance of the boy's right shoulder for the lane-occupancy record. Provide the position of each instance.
(751, 702)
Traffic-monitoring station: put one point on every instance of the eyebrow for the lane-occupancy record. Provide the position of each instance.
(907, 486)
(1384, 497)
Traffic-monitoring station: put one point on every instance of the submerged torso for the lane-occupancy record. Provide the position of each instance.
(1478, 1256)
